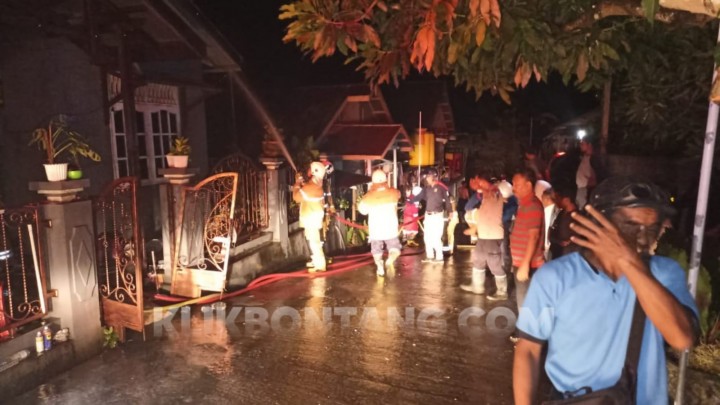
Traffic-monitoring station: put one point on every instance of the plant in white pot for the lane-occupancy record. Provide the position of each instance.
(179, 152)
(58, 140)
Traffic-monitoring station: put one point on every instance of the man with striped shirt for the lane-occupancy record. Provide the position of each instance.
(526, 238)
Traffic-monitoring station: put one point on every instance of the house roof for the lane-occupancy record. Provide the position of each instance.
(410, 98)
(361, 142)
(219, 53)
(308, 111)
(154, 30)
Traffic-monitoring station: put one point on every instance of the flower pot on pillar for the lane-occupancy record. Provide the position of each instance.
(179, 153)
(58, 140)
(177, 161)
(56, 171)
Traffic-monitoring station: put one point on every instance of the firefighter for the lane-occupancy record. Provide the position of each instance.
(380, 205)
(311, 198)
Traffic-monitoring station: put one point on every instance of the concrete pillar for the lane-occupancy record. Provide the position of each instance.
(71, 265)
(277, 201)
(170, 199)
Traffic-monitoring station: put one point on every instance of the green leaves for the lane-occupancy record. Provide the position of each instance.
(57, 140)
(650, 7)
(660, 100)
(110, 337)
(466, 39)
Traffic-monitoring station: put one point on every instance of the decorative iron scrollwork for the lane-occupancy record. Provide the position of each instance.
(21, 268)
(251, 201)
(206, 226)
(119, 265)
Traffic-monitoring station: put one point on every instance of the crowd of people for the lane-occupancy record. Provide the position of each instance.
(580, 250)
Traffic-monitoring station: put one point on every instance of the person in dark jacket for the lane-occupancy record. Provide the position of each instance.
(437, 210)
(560, 233)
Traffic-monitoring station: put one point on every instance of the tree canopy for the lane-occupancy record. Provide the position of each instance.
(484, 44)
(661, 58)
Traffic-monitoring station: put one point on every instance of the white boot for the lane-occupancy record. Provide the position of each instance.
(501, 293)
(390, 262)
(380, 265)
(477, 285)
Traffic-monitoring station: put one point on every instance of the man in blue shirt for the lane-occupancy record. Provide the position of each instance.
(581, 305)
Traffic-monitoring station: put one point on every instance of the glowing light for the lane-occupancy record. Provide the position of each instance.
(581, 133)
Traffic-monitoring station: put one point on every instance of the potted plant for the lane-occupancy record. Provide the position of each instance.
(179, 152)
(58, 140)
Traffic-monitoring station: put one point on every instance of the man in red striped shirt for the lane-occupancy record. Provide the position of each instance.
(526, 238)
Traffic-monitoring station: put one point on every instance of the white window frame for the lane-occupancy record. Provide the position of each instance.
(146, 109)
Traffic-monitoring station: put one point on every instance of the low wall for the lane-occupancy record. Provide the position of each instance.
(37, 369)
(262, 256)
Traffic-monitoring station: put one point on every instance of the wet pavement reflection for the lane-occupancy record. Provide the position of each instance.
(411, 337)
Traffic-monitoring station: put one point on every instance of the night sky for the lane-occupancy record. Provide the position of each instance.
(253, 28)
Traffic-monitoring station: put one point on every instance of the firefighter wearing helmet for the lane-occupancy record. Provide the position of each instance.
(311, 198)
(380, 205)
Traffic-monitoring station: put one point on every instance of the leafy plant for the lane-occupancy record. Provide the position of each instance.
(58, 139)
(342, 203)
(180, 146)
(356, 236)
(709, 325)
(110, 337)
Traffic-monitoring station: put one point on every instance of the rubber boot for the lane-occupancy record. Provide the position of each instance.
(477, 284)
(501, 294)
(380, 265)
(390, 262)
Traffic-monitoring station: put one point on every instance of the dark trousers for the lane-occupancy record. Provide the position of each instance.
(521, 287)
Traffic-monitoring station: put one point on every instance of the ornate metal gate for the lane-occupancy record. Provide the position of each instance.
(251, 200)
(23, 296)
(207, 233)
(119, 254)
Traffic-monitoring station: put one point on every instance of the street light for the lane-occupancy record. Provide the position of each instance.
(581, 134)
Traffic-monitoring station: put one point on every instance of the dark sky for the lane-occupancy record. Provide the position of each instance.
(253, 28)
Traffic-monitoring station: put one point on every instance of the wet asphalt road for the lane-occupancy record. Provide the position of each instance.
(392, 340)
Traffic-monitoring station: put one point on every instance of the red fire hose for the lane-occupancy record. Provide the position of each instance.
(341, 265)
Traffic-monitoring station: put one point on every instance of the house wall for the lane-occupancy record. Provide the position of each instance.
(233, 124)
(192, 125)
(45, 77)
(42, 78)
(192, 106)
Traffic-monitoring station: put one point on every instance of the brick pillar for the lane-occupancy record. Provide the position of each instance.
(277, 201)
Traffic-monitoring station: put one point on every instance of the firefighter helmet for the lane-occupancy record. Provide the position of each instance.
(317, 169)
(379, 176)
